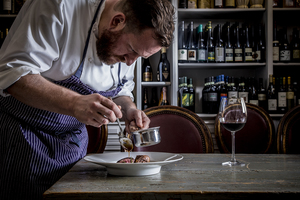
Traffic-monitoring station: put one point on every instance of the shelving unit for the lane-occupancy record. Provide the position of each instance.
(198, 71)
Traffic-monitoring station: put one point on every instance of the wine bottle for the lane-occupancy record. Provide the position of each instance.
(219, 48)
(289, 94)
(201, 46)
(179, 92)
(185, 94)
(233, 90)
(247, 46)
(275, 44)
(145, 103)
(164, 98)
(154, 99)
(284, 50)
(210, 44)
(182, 4)
(228, 45)
(223, 92)
(192, 51)
(288, 3)
(204, 95)
(229, 3)
(163, 69)
(191, 94)
(182, 50)
(296, 93)
(238, 51)
(282, 107)
(253, 94)
(7, 8)
(212, 98)
(260, 49)
(262, 95)
(218, 4)
(295, 46)
(242, 91)
(147, 71)
(271, 95)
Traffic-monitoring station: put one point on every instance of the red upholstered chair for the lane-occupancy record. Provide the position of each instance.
(288, 132)
(181, 130)
(97, 139)
(257, 136)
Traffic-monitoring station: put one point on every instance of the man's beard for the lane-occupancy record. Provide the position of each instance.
(105, 44)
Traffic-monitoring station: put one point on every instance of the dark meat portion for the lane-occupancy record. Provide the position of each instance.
(126, 160)
(142, 159)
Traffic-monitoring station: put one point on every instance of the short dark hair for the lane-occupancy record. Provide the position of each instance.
(143, 14)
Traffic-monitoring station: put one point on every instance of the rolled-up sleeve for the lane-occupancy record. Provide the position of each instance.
(33, 42)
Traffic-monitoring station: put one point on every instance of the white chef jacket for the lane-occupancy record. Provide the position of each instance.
(48, 38)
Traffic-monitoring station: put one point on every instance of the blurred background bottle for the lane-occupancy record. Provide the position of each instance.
(163, 69)
(147, 71)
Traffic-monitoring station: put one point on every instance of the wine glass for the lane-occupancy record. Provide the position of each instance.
(233, 117)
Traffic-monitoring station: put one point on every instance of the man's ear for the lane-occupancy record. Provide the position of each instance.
(117, 23)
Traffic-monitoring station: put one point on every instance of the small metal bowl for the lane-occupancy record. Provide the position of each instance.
(146, 137)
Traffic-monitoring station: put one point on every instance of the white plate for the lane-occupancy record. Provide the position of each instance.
(109, 160)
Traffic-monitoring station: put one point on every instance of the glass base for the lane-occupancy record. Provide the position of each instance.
(236, 163)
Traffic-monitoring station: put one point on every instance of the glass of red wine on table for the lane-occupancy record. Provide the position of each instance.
(233, 117)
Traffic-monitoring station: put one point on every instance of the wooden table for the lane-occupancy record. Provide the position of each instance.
(196, 176)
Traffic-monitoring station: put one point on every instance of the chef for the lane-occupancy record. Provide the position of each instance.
(60, 64)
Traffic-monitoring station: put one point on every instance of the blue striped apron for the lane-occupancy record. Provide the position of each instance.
(38, 147)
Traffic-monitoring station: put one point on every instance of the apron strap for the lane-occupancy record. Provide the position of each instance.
(79, 70)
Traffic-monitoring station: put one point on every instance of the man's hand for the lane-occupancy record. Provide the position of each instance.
(95, 110)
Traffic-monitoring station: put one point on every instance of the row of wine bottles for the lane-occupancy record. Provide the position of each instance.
(154, 101)
(280, 96)
(163, 68)
(220, 4)
(186, 93)
(223, 44)
(283, 50)
(286, 3)
(11, 6)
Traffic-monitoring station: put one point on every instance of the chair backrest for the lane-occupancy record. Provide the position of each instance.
(97, 138)
(288, 132)
(181, 131)
(257, 136)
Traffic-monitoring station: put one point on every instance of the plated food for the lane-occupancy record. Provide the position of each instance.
(138, 159)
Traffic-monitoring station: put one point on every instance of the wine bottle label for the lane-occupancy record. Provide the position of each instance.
(211, 56)
(290, 95)
(166, 74)
(244, 95)
(6, 4)
(275, 53)
(218, 2)
(232, 94)
(219, 54)
(238, 53)
(212, 97)
(248, 54)
(272, 104)
(182, 54)
(262, 97)
(147, 76)
(257, 55)
(229, 54)
(296, 54)
(255, 102)
(201, 55)
(186, 99)
(285, 55)
(192, 55)
(281, 99)
(230, 3)
(192, 100)
(222, 96)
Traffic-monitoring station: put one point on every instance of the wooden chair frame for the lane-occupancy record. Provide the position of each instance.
(207, 142)
(264, 114)
(284, 126)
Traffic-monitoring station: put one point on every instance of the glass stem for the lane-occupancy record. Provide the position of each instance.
(233, 146)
